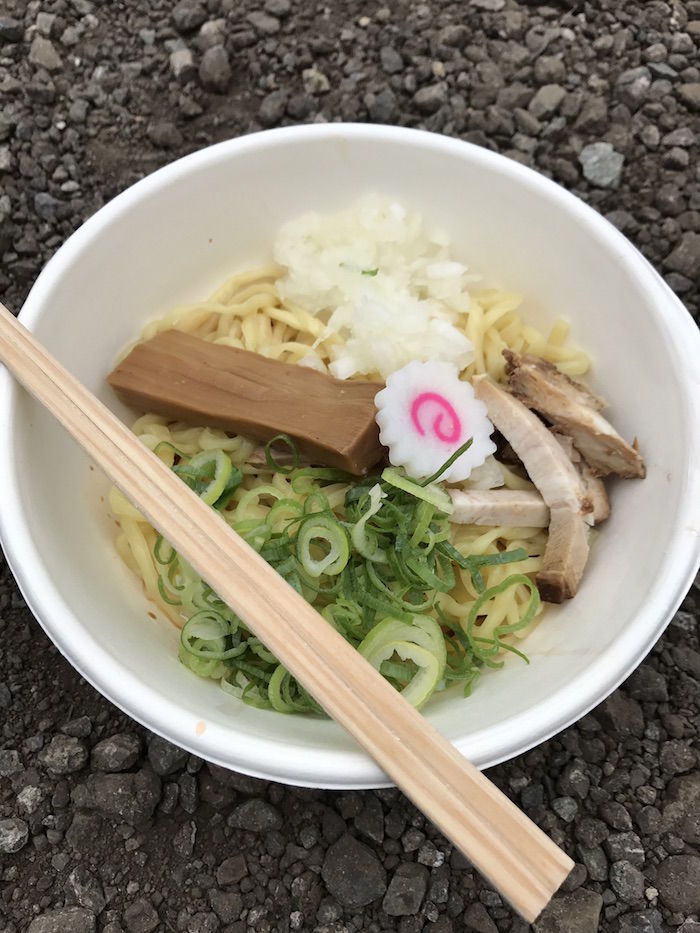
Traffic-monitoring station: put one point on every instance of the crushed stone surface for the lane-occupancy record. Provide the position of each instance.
(105, 827)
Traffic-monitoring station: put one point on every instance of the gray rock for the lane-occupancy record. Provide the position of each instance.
(5, 695)
(272, 108)
(429, 99)
(64, 920)
(647, 685)
(682, 810)
(602, 167)
(676, 756)
(549, 69)
(255, 816)
(546, 101)
(43, 54)
(86, 890)
(263, 23)
(45, 23)
(10, 29)
(491, 5)
(565, 807)
(29, 799)
(231, 870)
(676, 158)
(370, 820)
(207, 922)
(77, 113)
(65, 754)
(574, 780)
(615, 815)
(430, 855)
(48, 207)
(685, 258)
(650, 136)
(314, 81)
(352, 873)
(454, 36)
(686, 658)
(128, 797)
(595, 862)
(141, 917)
(164, 134)
(213, 32)
(689, 95)
(577, 912)
(683, 137)
(383, 107)
(678, 883)
(188, 15)
(645, 921)
(227, 905)
(10, 762)
(164, 757)
(477, 918)
(182, 65)
(406, 890)
(84, 829)
(390, 60)
(627, 881)
(243, 783)
(215, 69)
(279, 8)
(632, 86)
(14, 834)
(189, 794)
(591, 832)
(300, 106)
(5, 212)
(71, 36)
(649, 820)
(625, 847)
(116, 753)
(184, 839)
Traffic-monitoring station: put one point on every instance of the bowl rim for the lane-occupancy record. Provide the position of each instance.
(340, 769)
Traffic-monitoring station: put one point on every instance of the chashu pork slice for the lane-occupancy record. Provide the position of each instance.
(593, 485)
(558, 482)
(574, 410)
(516, 508)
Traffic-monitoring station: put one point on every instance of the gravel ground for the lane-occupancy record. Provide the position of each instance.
(106, 827)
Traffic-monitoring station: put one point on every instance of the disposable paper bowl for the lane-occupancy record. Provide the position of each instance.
(171, 238)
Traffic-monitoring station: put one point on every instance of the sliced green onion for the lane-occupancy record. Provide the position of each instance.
(274, 464)
(433, 494)
(159, 559)
(207, 473)
(448, 463)
(364, 542)
(411, 643)
(322, 528)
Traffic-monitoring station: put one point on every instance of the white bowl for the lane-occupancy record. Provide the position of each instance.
(175, 235)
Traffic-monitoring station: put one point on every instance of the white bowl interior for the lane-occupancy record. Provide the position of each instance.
(176, 236)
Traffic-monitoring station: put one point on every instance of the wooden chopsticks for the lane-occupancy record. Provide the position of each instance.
(501, 842)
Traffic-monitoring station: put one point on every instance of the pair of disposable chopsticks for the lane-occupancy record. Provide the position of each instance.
(499, 840)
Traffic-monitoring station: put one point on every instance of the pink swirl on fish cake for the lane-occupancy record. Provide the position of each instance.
(455, 427)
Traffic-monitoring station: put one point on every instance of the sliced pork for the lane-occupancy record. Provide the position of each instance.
(565, 556)
(558, 482)
(516, 508)
(592, 484)
(574, 410)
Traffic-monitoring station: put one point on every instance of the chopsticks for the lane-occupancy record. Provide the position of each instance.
(501, 842)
